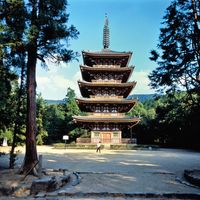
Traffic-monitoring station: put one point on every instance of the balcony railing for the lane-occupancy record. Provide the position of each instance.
(106, 115)
(106, 66)
(106, 81)
(106, 97)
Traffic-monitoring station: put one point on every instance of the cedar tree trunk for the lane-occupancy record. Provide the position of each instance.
(31, 158)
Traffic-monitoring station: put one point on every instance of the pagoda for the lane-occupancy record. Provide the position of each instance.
(104, 91)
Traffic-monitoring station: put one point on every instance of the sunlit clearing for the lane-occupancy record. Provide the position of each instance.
(139, 164)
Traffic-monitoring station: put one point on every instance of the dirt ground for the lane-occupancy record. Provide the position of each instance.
(10, 179)
(128, 172)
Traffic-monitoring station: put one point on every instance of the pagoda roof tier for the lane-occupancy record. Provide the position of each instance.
(122, 73)
(119, 105)
(106, 56)
(105, 88)
(91, 122)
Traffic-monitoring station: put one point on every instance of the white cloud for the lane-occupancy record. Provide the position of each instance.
(53, 84)
(141, 77)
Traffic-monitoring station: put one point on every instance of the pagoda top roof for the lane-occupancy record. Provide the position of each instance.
(107, 52)
(105, 56)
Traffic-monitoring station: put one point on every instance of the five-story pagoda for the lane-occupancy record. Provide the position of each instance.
(104, 89)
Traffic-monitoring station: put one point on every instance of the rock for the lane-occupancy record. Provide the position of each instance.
(193, 176)
(49, 184)
(40, 195)
(43, 185)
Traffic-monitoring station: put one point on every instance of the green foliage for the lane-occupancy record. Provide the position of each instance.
(178, 59)
(143, 110)
(79, 132)
(57, 119)
(7, 102)
(54, 123)
(173, 121)
(70, 106)
(6, 134)
(70, 109)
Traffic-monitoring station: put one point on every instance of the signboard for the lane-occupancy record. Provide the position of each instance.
(65, 137)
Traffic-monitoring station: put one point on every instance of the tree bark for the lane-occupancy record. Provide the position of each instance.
(31, 128)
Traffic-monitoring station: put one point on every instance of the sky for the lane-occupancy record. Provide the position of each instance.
(134, 26)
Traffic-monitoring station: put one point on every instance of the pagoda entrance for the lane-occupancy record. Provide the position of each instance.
(105, 137)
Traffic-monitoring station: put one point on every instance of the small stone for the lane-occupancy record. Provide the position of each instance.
(52, 194)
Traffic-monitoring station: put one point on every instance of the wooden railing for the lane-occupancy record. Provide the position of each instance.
(104, 115)
(106, 66)
(106, 81)
(105, 97)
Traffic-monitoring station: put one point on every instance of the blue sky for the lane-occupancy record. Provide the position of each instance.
(134, 26)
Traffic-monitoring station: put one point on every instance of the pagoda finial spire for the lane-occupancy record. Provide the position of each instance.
(106, 34)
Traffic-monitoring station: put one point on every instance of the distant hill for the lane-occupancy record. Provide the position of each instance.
(54, 102)
(140, 97)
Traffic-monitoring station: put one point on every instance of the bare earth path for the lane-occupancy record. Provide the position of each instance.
(121, 172)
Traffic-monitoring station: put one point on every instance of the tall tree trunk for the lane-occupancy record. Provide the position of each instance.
(31, 158)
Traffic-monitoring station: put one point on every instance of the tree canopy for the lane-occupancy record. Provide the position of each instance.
(178, 58)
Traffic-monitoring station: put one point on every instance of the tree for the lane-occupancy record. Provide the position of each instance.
(41, 108)
(13, 58)
(54, 123)
(46, 36)
(7, 79)
(70, 109)
(70, 106)
(179, 62)
(178, 70)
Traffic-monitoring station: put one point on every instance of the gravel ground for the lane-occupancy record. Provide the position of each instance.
(119, 172)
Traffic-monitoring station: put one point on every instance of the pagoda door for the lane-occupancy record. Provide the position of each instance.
(106, 137)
